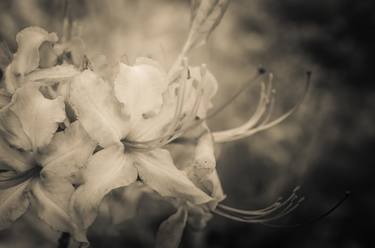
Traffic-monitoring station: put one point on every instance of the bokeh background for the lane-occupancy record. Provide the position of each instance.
(326, 147)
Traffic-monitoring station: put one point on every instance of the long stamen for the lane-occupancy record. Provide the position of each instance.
(233, 134)
(150, 144)
(277, 210)
(320, 217)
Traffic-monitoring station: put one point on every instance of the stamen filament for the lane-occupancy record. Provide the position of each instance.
(233, 134)
(277, 210)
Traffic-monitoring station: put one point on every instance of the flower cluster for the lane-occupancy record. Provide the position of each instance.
(72, 130)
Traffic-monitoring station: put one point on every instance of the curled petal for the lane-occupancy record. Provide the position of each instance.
(170, 231)
(13, 204)
(156, 169)
(99, 112)
(29, 40)
(140, 88)
(68, 151)
(30, 120)
(108, 169)
(13, 159)
(50, 198)
(26, 59)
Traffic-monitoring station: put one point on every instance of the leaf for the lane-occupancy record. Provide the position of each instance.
(108, 169)
(156, 169)
(99, 112)
(50, 197)
(68, 151)
(13, 204)
(140, 88)
(170, 231)
(30, 120)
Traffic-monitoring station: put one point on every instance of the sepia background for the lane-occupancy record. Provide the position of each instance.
(326, 147)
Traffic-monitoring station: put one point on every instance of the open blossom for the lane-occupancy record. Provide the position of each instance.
(71, 133)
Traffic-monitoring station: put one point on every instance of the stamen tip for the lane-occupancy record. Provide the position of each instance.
(296, 189)
(262, 70)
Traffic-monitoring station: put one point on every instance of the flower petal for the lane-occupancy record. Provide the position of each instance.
(197, 159)
(68, 151)
(170, 231)
(30, 120)
(53, 74)
(140, 88)
(29, 40)
(210, 88)
(97, 109)
(156, 169)
(26, 59)
(13, 159)
(5, 98)
(108, 169)
(50, 197)
(13, 204)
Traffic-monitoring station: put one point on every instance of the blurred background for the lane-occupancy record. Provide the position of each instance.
(326, 147)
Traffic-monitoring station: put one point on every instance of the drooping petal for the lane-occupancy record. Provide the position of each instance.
(68, 151)
(156, 169)
(196, 157)
(108, 169)
(170, 231)
(140, 88)
(13, 204)
(30, 120)
(12, 159)
(50, 197)
(97, 109)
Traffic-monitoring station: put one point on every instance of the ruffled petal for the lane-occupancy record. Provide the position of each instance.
(26, 59)
(156, 169)
(170, 231)
(108, 169)
(13, 204)
(29, 40)
(50, 197)
(140, 88)
(68, 151)
(30, 120)
(97, 109)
